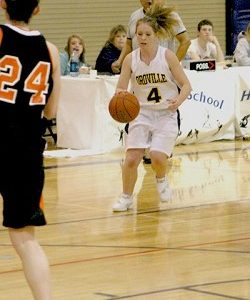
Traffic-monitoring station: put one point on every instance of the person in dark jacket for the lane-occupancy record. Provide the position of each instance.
(111, 51)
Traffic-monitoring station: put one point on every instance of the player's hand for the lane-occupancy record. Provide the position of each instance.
(115, 67)
(173, 104)
(118, 91)
(116, 64)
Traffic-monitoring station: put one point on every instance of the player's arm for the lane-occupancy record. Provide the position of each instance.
(181, 79)
(51, 106)
(125, 74)
(184, 43)
(125, 51)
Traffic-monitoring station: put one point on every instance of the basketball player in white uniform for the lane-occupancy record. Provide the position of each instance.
(178, 34)
(152, 71)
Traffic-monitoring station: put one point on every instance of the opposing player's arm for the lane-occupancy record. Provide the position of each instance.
(125, 74)
(51, 106)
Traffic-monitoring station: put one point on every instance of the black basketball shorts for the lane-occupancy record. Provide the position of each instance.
(21, 185)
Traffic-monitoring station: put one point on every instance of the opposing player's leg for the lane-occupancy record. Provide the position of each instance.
(34, 261)
(23, 209)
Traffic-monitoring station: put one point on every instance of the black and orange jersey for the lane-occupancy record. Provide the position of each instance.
(25, 85)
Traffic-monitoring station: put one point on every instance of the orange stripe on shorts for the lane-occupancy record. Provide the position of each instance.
(41, 203)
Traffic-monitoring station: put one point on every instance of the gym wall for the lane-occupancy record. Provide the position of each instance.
(93, 19)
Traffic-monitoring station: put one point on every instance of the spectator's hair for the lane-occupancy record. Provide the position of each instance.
(203, 23)
(161, 19)
(113, 32)
(67, 47)
(21, 10)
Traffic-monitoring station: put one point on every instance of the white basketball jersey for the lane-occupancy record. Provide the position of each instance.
(152, 84)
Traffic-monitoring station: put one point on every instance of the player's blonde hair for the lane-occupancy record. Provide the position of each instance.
(161, 19)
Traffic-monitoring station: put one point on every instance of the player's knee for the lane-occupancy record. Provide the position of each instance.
(133, 159)
(158, 158)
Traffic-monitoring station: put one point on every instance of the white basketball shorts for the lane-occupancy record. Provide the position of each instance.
(153, 129)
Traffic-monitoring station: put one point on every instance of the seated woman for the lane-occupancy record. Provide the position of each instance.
(206, 45)
(111, 51)
(74, 43)
(242, 50)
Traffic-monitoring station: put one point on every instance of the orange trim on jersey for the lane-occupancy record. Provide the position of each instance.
(41, 203)
(1, 36)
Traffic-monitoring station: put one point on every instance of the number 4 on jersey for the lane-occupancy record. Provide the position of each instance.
(154, 95)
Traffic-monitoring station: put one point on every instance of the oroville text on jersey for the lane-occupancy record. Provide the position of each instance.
(151, 78)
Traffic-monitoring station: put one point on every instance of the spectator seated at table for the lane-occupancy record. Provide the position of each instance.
(75, 43)
(206, 45)
(242, 50)
(111, 51)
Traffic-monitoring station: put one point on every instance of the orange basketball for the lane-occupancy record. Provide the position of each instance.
(124, 107)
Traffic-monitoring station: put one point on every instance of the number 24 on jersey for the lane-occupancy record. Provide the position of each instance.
(36, 82)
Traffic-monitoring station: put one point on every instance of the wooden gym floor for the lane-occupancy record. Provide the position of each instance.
(196, 247)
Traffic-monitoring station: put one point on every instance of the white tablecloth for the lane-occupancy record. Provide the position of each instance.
(217, 108)
(83, 120)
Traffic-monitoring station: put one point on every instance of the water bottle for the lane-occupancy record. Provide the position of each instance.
(74, 64)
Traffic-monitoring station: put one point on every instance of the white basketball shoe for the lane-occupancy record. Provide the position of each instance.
(125, 202)
(163, 189)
